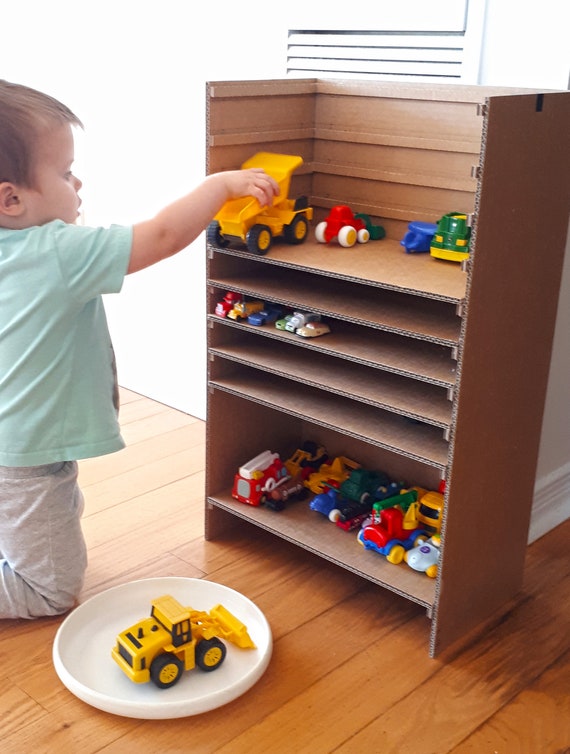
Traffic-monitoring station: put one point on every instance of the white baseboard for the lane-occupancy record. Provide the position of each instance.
(551, 504)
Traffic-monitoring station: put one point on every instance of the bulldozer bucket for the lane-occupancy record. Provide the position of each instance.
(231, 628)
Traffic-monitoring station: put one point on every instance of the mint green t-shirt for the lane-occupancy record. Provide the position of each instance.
(56, 359)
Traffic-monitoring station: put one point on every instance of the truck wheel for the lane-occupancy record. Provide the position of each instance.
(210, 653)
(297, 231)
(214, 235)
(165, 670)
(259, 239)
(396, 554)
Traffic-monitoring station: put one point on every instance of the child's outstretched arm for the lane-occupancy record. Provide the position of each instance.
(178, 224)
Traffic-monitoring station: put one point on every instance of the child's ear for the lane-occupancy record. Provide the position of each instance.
(10, 201)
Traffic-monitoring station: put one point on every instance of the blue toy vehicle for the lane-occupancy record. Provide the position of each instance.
(419, 237)
(270, 313)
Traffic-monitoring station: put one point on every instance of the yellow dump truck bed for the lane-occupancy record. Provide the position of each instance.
(236, 214)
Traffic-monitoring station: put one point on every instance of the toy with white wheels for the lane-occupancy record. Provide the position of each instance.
(348, 228)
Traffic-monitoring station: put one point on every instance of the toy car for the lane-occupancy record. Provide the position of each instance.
(357, 496)
(429, 512)
(389, 536)
(452, 238)
(244, 309)
(313, 329)
(419, 237)
(281, 324)
(347, 227)
(228, 302)
(256, 478)
(244, 220)
(299, 319)
(270, 313)
(424, 556)
(290, 488)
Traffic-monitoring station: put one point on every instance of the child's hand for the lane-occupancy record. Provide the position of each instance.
(252, 182)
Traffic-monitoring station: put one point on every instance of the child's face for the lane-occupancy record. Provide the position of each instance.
(55, 192)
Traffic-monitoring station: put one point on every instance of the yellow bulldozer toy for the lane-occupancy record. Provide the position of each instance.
(176, 638)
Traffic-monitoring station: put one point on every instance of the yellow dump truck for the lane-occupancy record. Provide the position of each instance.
(176, 638)
(244, 220)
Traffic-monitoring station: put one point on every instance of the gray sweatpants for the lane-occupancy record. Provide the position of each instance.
(42, 551)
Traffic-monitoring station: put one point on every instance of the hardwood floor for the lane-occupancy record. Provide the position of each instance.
(350, 671)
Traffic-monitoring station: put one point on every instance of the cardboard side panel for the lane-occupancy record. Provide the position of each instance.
(520, 233)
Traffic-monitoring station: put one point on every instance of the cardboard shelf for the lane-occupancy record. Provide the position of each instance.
(357, 344)
(421, 442)
(396, 312)
(415, 400)
(382, 264)
(312, 531)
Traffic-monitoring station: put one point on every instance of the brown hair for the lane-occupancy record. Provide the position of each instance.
(24, 114)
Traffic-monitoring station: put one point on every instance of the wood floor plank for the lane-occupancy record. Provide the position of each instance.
(138, 455)
(142, 479)
(536, 720)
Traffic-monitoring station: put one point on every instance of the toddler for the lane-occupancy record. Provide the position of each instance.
(57, 377)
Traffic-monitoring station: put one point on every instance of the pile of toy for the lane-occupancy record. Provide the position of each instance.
(401, 523)
(237, 307)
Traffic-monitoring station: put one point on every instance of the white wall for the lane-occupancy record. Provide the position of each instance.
(134, 71)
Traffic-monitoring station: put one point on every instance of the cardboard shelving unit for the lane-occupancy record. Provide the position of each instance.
(432, 370)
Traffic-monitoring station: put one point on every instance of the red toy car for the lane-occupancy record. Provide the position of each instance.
(347, 227)
(228, 302)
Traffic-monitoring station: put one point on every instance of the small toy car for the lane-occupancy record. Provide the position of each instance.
(424, 556)
(228, 302)
(418, 238)
(452, 238)
(281, 324)
(313, 329)
(299, 319)
(347, 227)
(389, 536)
(290, 488)
(244, 309)
(270, 313)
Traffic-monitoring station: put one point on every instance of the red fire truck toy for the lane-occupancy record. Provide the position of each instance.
(256, 479)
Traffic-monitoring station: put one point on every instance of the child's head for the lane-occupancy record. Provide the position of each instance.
(36, 152)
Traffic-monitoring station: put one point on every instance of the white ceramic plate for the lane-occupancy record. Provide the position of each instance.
(83, 643)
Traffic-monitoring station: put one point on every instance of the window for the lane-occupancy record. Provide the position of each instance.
(435, 42)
